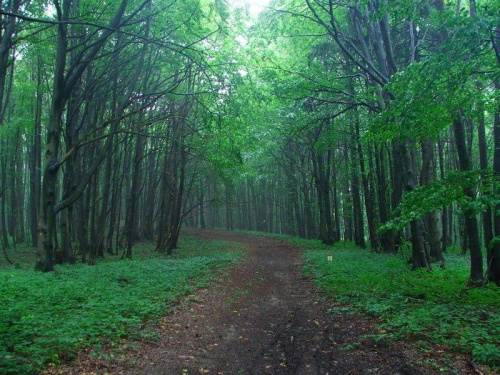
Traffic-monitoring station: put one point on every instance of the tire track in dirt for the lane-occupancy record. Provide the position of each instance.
(263, 317)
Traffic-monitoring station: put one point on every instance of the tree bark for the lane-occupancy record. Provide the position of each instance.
(427, 175)
(471, 227)
(36, 158)
(494, 257)
(65, 80)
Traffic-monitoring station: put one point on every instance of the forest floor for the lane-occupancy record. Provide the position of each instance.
(263, 317)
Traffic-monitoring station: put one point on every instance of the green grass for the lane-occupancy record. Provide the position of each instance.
(47, 317)
(424, 306)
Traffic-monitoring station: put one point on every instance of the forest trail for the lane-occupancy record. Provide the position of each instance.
(263, 317)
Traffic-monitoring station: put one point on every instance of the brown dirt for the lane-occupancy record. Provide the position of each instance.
(263, 317)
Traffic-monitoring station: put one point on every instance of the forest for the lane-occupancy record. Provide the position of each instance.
(371, 124)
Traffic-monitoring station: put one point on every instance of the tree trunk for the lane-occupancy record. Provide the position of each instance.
(471, 227)
(130, 226)
(428, 174)
(176, 219)
(323, 190)
(368, 194)
(420, 258)
(3, 198)
(445, 227)
(35, 159)
(494, 261)
(483, 164)
(348, 212)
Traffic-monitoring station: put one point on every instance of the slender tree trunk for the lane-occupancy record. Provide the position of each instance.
(368, 194)
(387, 239)
(483, 164)
(36, 159)
(494, 257)
(176, 220)
(134, 196)
(323, 191)
(14, 209)
(471, 227)
(427, 175)
(229, 210)
(3, 197)
(359, 227)
(445, 227)
(17, 204)
(420, 258)
(304, 185)
(348, 211)
(203, 223)
(335, 226)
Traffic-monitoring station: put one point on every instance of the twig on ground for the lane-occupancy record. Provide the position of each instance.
(475, 367)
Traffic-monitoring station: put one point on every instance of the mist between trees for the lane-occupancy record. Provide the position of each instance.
(374, 122)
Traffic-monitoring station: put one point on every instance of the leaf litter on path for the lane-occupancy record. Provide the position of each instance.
(263, 317)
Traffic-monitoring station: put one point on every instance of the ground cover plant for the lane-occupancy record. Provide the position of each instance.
(429, 307)
(46, 317)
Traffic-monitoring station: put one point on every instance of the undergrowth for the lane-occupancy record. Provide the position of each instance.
(426, 306)
(47, 317)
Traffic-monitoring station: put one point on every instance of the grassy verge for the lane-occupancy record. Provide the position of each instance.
(46, 318)
(428, 307)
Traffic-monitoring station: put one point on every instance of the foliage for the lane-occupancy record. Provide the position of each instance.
(441, 193)
(430, 92)
(432, 307)
(48, 317)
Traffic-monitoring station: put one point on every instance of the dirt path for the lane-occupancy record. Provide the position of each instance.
(263, 317)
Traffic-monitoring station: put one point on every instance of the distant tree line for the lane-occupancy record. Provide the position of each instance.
(371, 122)
(384, 121)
